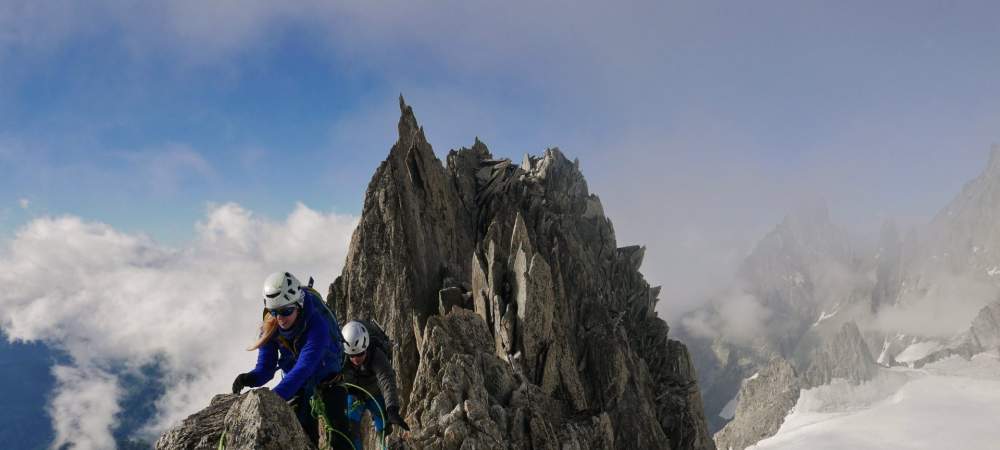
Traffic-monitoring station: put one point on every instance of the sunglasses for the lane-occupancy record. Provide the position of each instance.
(282, 312)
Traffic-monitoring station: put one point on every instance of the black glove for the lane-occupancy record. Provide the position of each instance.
(395, 419)
(242, 381)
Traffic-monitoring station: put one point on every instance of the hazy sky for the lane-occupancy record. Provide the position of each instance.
(698, 123)
(151, 151)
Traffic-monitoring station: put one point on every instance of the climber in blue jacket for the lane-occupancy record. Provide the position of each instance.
(300, 336)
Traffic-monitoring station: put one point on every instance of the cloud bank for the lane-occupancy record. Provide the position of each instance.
(735, 315)
(948, 306)
(116, 302)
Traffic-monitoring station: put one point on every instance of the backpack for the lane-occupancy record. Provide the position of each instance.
(378, 338)
(331, 319)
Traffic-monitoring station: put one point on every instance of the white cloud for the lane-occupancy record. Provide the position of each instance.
(109, 298)
(743, 317)
(948, 306)
(23, 203)
(737, 316)
(700, 324)
(84, 405)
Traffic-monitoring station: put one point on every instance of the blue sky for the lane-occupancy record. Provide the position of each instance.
(149, 147)
(700, 124)
(141, 144)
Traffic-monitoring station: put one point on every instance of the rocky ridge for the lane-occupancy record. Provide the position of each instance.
(257, 419)
(764, 400)
(984, 333)
(767, 396)
(550, 313)
(844, 356)
(516, 320)
(808, 276)
(955, 258)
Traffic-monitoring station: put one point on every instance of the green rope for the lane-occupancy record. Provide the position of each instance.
(385, 423)
(349, 440)
(222, 440)
(318, 410)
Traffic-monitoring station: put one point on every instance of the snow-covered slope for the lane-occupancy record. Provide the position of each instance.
(918, 351)
(911, 297)
(952, 403)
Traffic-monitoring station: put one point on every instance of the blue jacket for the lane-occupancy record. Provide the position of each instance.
(311, 356)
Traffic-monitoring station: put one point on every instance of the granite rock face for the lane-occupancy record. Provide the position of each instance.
(844, 356)
(764, 401)
(258, 419)
(517, 321)
(985, 331)
(818, 287)
(801, 282)
(465, 396)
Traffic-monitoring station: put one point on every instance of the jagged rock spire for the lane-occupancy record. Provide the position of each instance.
(408, 126)
(516, 321)
(563, 320)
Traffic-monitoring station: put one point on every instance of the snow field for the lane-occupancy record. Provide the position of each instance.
(953, 403)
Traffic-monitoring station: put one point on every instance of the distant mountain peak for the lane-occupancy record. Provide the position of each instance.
(994, 164)
(407, 120)
(964, 235)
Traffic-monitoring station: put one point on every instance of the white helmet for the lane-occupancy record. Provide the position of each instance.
(282, 289)
(355, 338)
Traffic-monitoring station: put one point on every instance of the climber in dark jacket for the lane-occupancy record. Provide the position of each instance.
(369, 371)
(302, 338)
